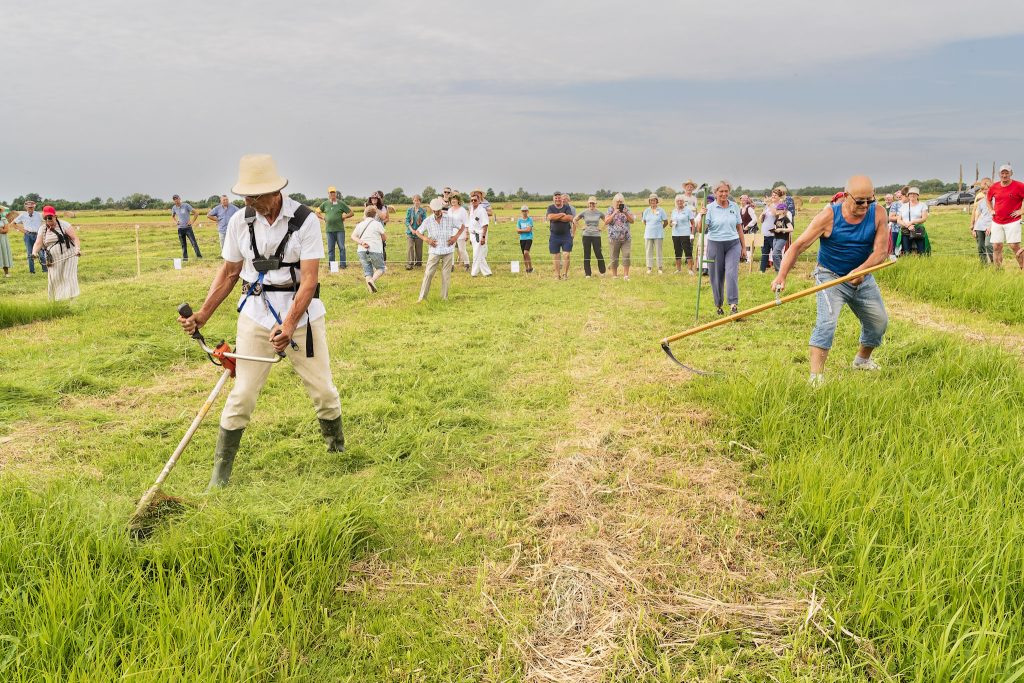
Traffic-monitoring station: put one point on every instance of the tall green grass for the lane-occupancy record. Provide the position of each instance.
(219, 596)
(907, 486)
(958, 282)
(22, 312)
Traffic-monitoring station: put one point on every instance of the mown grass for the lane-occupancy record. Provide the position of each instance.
(378, 565)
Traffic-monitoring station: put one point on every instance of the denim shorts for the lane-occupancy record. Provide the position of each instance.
(865, 300)
(559, 243)
(371, 261)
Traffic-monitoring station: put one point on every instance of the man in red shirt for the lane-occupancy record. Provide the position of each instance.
(1006, 198)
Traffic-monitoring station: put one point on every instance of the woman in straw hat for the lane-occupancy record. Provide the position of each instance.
(285, 312)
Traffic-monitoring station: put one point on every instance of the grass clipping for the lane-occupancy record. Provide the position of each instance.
(146, 522)
(604, 594)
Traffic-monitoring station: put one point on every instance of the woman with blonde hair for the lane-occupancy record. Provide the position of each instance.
(723, 228)
(618, 219)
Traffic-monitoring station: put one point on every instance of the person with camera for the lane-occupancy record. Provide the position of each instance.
(275, 246)
(58, 248)
(911, 217)
(370, 236)
(619, 219)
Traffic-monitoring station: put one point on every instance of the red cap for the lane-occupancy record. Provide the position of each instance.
(49, 211)
(837, 196)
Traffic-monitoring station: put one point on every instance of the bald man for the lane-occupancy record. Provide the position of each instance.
(853, 234)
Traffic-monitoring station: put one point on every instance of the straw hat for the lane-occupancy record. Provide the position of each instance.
(591, 199)
(525, 208)
(689, 181)
(257, 174)
(652, 196)
(914, 190)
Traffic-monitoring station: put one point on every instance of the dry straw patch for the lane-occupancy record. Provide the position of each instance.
(632, 545)
(1004, 336)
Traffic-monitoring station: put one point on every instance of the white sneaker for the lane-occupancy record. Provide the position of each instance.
(816, 380)
(691, 273)
(625, 277)
(648, 271)
(660, 271)
(865, 364)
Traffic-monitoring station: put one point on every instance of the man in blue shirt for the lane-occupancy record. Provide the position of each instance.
(854, 235)
(222, 213)
(184, 217)
(30, 223)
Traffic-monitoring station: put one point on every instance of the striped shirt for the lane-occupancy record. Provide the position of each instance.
(440, 231)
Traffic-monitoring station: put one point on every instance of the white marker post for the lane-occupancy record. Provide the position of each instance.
(334, 266)
(177, 264)
(515, 266)
(138, 253)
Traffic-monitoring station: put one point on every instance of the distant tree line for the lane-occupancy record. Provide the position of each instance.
(139, 201)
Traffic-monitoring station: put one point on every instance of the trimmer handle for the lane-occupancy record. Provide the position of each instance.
(185, 311)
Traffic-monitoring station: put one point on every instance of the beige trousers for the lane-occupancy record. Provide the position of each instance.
(446, 261)
(315, 372)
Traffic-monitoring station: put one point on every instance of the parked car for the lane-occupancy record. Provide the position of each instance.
(952, 198)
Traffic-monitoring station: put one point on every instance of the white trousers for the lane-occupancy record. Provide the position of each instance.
(460, 244)
(254, 340)
(479, 256)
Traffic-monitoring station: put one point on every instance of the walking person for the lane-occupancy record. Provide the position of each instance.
(461, 217)
(6, 258)
(478, 224)
(619, 219)
(370, 236)
(286, 307)
(682, 233)
(440, 231)
(29, 223)
(1006, 199)
(655, 221)
(560, 217)
(724, 232)
(592, 219)
(222, 213)
(981, 221)
(524, 228)
(414, 217)
(911, 218)
(852, 235)
(184, 218)
(58, 246)
(334, 212)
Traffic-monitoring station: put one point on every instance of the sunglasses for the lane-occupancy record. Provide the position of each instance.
(49, 218)
(862, 202)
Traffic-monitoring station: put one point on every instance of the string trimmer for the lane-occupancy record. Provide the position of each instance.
(155, 504)
(779, 300)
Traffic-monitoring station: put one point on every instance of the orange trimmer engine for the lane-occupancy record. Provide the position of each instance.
(226, 362)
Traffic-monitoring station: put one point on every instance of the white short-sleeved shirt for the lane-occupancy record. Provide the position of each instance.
(461, 217)
(371, 231)
(304, 244)
(33, 223)
(477, 219)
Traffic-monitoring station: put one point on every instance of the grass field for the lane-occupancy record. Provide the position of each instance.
(531, 490)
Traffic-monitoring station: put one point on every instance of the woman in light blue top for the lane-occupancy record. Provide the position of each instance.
(723, 227)
(655, 220)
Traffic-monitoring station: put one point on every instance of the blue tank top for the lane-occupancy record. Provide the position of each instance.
(850, 244)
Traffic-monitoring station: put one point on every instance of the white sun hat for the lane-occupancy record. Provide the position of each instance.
(257, 174)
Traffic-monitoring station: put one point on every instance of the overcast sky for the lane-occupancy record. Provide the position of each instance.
(106, 98)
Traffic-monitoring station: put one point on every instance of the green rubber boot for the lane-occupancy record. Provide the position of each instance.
(224, 457)
(331, 429)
